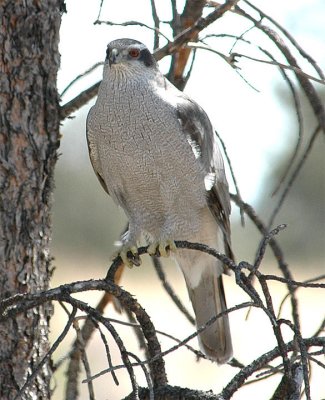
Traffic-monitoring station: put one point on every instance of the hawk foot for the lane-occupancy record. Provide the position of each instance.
(129, 256)
(162, 248)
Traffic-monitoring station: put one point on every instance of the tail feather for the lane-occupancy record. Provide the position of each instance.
(203, 276)
(208, 300)
(205, 287)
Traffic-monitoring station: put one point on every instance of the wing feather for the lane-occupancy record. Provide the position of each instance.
(93, 153)
(199, 133)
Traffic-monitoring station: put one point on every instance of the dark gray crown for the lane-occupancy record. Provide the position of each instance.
(145, 56)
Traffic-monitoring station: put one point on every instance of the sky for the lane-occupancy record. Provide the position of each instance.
(252, 122)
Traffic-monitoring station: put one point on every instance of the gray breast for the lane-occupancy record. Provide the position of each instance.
(146, 161)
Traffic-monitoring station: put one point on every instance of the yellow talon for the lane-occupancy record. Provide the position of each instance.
(128, 260)
(162, 248)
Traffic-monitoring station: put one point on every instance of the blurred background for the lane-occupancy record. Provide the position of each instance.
(258, 123)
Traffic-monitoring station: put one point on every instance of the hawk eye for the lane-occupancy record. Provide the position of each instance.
(134, 53)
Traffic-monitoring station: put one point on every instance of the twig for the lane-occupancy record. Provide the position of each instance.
(290, 38)
(84, 358)
(63, 293)
(275, 325)
(87, 331)
(304, 284)
(146, 374)
(299, 114)
(290, 389)
(265, 241)
(138, 332)
(180, 343)
(132, 23)
(303, 356)
(174, 393)
(156, 21)
(73, 105)
(238, 380)
(191, 32)
(100, 9)
(320, 329)
(98, 317)
(295, 283)
(190, 70)
(294, 175)
(224, 148)
(297, 70)
(198, 353)
(306, 85)
(80, 76)
(55, 345)
(108, 353)
(158, 268)
(191, 13)
(313, 359)
(277, 254)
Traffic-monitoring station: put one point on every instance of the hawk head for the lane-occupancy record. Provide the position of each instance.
(129, 52)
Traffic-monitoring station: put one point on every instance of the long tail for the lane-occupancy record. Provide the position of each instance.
(203, 276)
(208, 299)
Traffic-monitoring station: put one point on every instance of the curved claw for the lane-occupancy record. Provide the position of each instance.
(162, 248)
(129, 256)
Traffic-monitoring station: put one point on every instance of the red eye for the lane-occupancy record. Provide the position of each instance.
(134, 53)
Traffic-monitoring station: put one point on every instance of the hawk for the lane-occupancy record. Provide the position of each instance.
(154, 152)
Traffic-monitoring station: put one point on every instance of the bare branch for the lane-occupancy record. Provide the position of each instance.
(297, 70)
(190, 33)
(16, 304)
(79, 101)
(30, 379)
(84, 358)
(294, 175)
(192, 12)
(170, 291)
(108, 353)
(80, 76)
(156, 21)
(87, 330)
(224, 148)
(291, 39)
(290, 389)
(277, 254)
(307, 87)
(133, 23)
(263, 360)
(180, 343)
(146, 373)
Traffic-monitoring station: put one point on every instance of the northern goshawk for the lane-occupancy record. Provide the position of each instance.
(154, 151)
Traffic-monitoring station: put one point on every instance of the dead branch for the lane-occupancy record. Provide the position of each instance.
(156, 21)
(278, 254)
(86, 333)
(11, 307)
(305, 84)
(265, 359)
(170, 291)
(79, 101)
(294, 174)
(190, 33)
(192, 12)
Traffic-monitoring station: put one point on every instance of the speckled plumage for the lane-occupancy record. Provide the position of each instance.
(153, 150)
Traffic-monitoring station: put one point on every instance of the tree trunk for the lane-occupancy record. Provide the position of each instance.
(29, 137)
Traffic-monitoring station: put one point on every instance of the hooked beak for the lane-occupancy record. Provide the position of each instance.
(112, 59)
